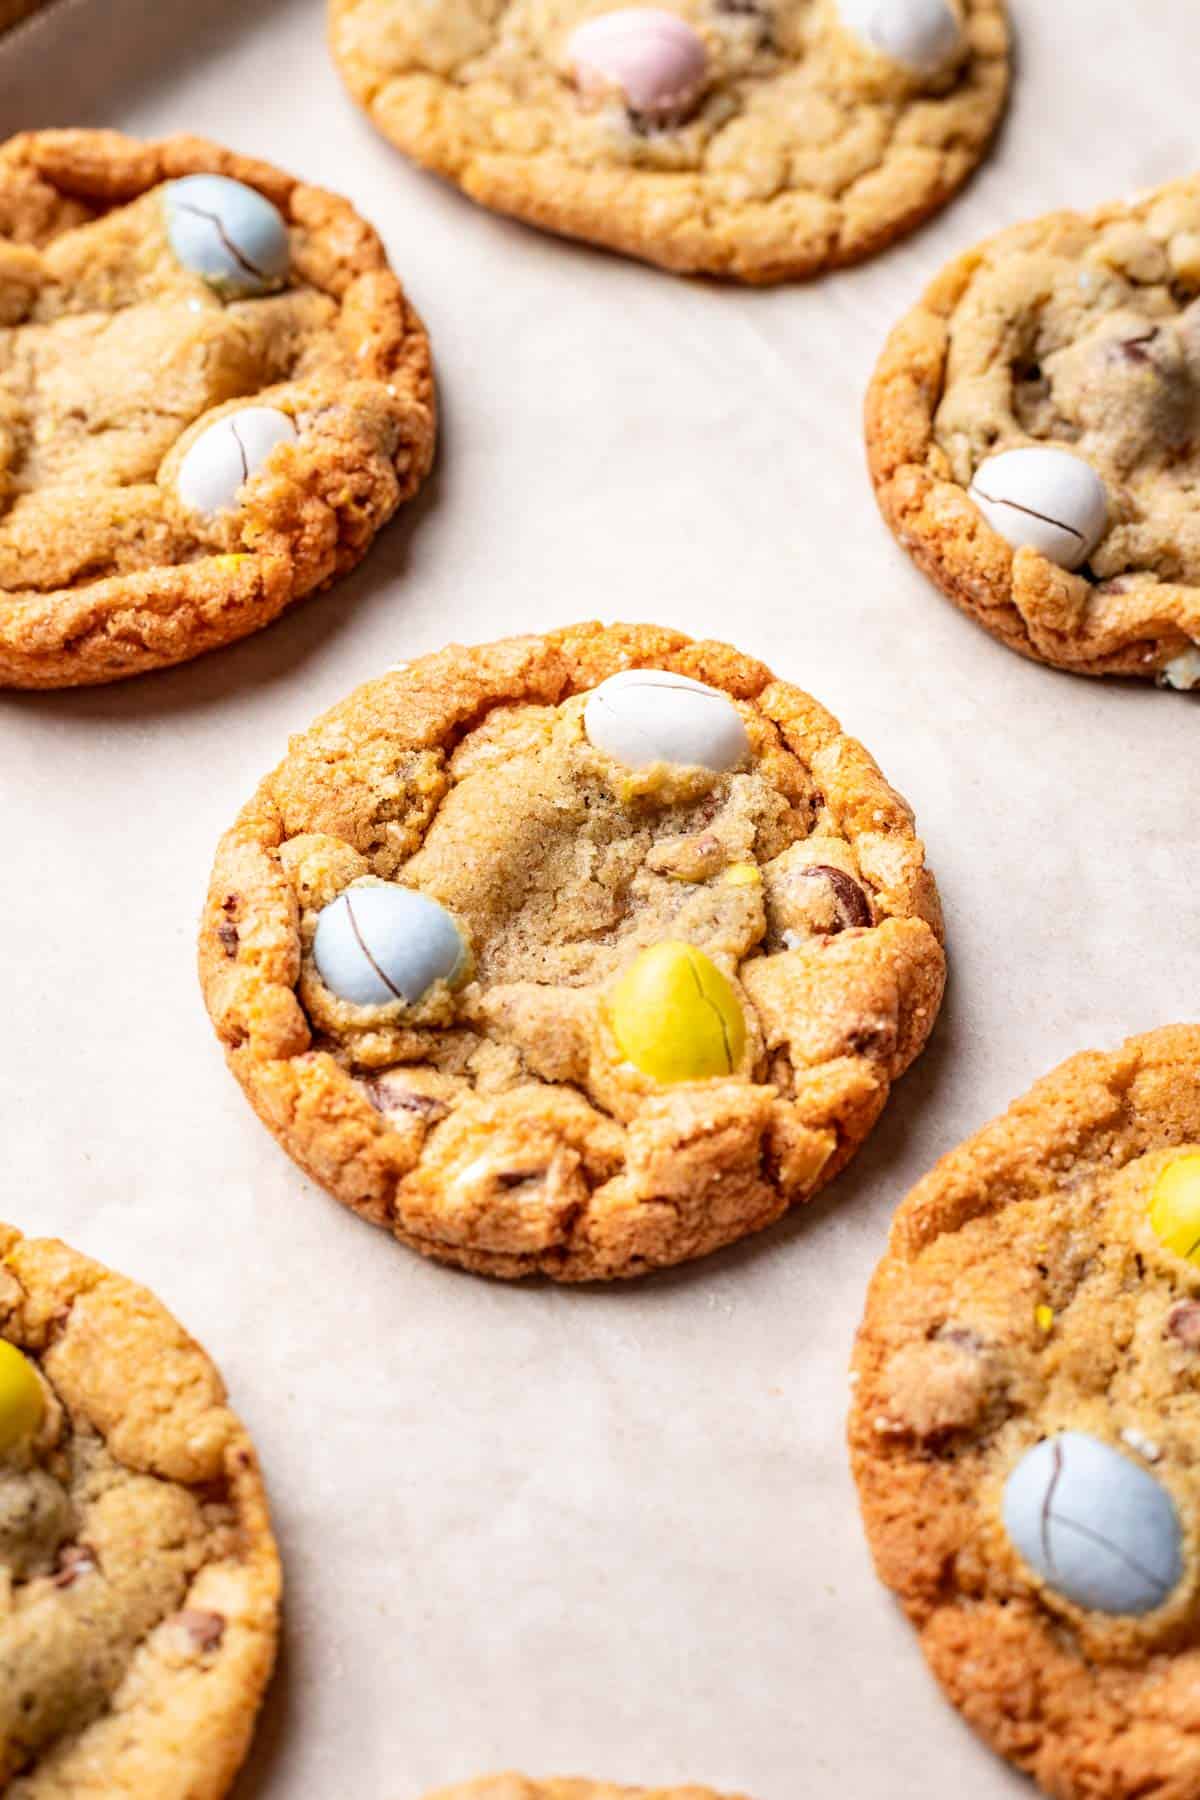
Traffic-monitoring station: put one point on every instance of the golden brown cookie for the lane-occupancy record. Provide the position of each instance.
(1034, 437)
(758, 139)
(140, 1580)
(213, 393)
(519, 1787)
(1026, 1419)
(543, 975)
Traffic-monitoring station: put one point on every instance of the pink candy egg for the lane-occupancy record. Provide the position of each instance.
(653, 57)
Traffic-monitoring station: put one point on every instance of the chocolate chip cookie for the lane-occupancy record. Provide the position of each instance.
(139, 1577)
(1034, 437)
(581, 954)
(213, 393)
(1026, 1416)
(758, 139)
(519, 1787)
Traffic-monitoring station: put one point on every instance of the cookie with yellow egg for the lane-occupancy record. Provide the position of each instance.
(580, 954)
(139, 1581)
(1024, 1427)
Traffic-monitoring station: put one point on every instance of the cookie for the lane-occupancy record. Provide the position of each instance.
(1026, 1416)
(213, 393)
(580, 954)
(757, 139)
(519, 1787)
(1033, 430)
(140, 1578)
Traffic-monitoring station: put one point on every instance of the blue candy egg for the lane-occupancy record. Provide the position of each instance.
(1097, 1527)
(378, 944)
(228, 234)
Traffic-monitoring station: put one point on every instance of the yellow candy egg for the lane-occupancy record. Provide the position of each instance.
(1175, 1207)
(21, 1402)
(675, 1017)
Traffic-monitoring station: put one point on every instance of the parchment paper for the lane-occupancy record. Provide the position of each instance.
(608, 1532)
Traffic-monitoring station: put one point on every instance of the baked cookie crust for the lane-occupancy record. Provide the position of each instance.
(1081, 332)
(806, 153)
(140, 1578)
(115, 358)
(1024, 1294)
(500, 1127)
(520, 1787)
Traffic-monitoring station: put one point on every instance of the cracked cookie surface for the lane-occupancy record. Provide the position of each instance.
(1027, 1299)
(117, 553)
(684, 995)
(805, 149)
(1078, 333)
(139, 1582)
(520, 1787)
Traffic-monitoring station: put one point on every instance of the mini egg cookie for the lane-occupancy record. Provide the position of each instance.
(1034, 437)
(213, 393)
(758, 139)
(1026, 1423)
(581, 955)
(138, 1574)
(519, 1787)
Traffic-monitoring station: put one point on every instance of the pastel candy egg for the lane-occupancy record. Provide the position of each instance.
(675, 1017)
(653, 59)
(224, 457)
(1047, 499)
(378, 944)
(1175, 1207)
(1183, 671)
(21, 1402)
(646, 716)
(1097, 1528)
(228, 234)
(922, 35)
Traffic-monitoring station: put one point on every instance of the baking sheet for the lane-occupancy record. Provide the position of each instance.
(611, 1531)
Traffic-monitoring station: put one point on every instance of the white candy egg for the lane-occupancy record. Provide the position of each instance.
(646, 716)
(228, 234)
(378, 944)
(1099, 1529)
(1183, 671)
(922, 35)
(223, 458)
(1045, 499)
